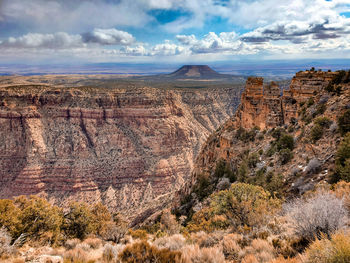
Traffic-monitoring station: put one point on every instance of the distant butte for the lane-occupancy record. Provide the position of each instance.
(196, 71)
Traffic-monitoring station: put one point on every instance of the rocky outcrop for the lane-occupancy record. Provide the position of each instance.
(267, 106)
(130, 148)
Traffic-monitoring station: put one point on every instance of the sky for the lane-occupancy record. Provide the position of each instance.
(165, 31)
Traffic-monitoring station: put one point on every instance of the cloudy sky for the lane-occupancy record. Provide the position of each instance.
(53, 31)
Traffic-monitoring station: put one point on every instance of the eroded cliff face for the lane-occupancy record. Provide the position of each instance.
(130, 148)
(267, 107)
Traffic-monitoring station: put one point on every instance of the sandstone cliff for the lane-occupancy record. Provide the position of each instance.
(130, 148)
(245, 147)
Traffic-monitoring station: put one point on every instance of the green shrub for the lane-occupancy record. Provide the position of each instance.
(274, 183)
(38, 217)
(285, 142)
(243, 172)
(203, 187)
(310, 102)
(253, 159)
(223, 169)
(323, 122)
(271, 151)
(9, 217)
(316, 133)
(78, 221)
(344, 123)
(285, 156)
(277, 133)
(243, 204)
(342, 161)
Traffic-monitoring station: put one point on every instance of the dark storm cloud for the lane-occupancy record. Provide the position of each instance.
(293, 33)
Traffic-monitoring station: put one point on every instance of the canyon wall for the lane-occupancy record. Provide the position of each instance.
(131, 148)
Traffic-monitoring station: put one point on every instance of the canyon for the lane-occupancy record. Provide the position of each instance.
(128, 146)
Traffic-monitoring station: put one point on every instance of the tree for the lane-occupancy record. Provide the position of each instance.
(78, 221)
(243, 204)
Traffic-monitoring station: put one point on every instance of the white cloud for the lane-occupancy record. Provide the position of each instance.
(166, 49)
(49, 41)
(62, 40)
(108, 37)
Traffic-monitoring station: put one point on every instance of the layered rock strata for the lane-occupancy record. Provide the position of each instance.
(130, 148)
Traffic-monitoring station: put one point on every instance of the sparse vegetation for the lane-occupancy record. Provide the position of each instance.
(322, 214)
(344, 123)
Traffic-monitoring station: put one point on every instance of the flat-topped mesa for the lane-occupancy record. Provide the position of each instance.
(307, 83)
(265, 106)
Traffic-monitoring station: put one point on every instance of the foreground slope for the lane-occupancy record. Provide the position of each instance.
(130, 147)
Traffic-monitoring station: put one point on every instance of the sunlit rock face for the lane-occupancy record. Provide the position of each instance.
(130, 148)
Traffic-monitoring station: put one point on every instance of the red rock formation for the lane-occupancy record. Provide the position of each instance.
(263, 106)
(131, 148)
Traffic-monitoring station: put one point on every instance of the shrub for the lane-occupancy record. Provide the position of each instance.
(168, 223)
(310, 102)
(223, 169)
(323, 122)
(243, 172)
(138, 234)
(76, 255)
(261, 249)
(100, 219)
(342, 160)
(285, 142)
(274, 183)
(253, 159)
(230, 247)
(174, 242)
(245, 136)
(320, 109)
(110, 253)
(9, 217)
(203, 188)
(316, 132)
(323, 213)
(144, 252)
(344, 123)
(285, 156)
(5, 243)
(243, 204)
(209, 255)
(78, 221)
(335, 250)
(38, 217)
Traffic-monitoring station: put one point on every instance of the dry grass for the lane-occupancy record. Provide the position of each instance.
(94, 243)
(261, 249)
(230, 247)
(174, 242)
(75, 255)
(5, 243)
(285, 260)
(204, 239)
(195, 254)
(335, 250)
(71, 243)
